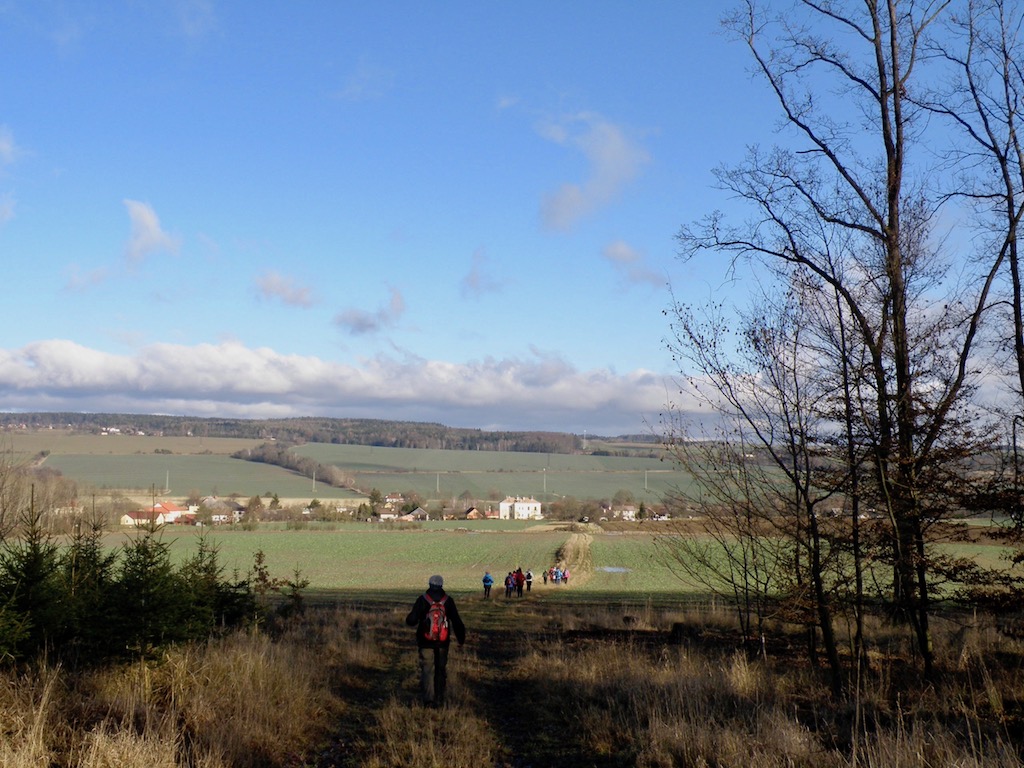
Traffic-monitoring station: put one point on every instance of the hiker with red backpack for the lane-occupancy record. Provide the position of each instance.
(436, 618)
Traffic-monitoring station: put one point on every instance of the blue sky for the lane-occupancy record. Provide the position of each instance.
(455, 212)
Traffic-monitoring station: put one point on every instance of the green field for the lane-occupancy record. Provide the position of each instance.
(61, 442)
(138, 464)
(181, 475)
(439, 474)
(362, 557)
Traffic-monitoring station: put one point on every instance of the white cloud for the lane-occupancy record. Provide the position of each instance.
(80, 281)
(359, 321)
(613, 161)
(147, 235)
(232, 380)
(631, 264)
(272, 285)
(8, 149)
(367, 82)
(9, 152)
(6, 208)
(196, 18)
(478, 281)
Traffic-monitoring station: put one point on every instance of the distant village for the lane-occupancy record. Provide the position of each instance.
(217, 511)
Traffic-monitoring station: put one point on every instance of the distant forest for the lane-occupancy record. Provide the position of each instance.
(377, 432)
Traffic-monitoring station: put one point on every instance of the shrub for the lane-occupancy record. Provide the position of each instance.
(82, 604)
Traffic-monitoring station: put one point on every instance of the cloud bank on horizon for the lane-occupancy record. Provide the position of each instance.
(457, 214)
(231, 380)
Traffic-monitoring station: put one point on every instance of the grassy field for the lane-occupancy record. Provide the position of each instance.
(63, 442)
(437, 474)
(138, 463)
(356, 557)
(179, 475)
(173, 466)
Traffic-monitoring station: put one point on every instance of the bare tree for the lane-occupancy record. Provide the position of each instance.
(980, 94)
(765, 490)
(15, 489)
(843, 204)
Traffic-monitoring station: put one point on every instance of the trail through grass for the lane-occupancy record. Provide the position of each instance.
(498, 713)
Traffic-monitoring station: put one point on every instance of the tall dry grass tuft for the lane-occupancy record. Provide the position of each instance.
(676, 708)
(30, 717)
(635, 704)
(929, 742)
(339, 688)
(117, 749)
(250, 699)
(242, 700)
(412, 737)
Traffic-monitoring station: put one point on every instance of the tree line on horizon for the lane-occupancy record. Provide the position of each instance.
(375, 432)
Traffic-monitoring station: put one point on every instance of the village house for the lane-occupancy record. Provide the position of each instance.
(141, 517)
(417, 515)
(625, 513)
(519, 508)
(172, 512)
(223, 511)
(161, 513)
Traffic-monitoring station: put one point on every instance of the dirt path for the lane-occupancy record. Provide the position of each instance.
(522, 713)
(575, 555)
(488, 678)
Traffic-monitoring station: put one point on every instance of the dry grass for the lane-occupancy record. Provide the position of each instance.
(338, 688)
(240, 701)
(410, 737)
(27, 706)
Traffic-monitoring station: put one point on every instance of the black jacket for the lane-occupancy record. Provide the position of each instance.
(419, 612)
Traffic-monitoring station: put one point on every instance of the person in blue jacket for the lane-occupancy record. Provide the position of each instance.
(488, 583)
(433, 654)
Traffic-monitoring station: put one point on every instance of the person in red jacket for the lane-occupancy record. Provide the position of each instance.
(433, 648)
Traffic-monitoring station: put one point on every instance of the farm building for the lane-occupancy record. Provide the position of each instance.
(223, 511)
(417, 514)
(519, 508)
(142, 517)
(625, 513)
(161, 513)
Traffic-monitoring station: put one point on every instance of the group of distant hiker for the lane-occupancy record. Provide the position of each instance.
(556, 575)
(436, 619)
(515, 582)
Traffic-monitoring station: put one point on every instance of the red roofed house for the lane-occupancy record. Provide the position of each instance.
(161, 513)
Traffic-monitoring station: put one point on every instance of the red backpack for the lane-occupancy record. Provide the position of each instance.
(434, 627)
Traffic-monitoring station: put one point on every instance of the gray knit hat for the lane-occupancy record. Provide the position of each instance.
(436, 581)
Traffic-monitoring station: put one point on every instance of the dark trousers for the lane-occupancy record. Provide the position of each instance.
(433, 674)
